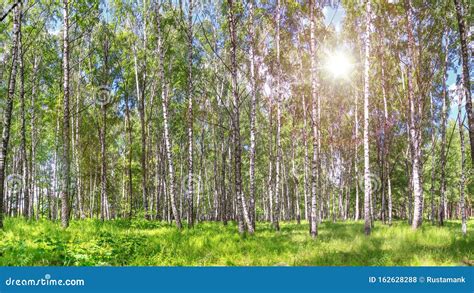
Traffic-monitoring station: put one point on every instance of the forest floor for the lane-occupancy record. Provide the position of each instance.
(148, 243)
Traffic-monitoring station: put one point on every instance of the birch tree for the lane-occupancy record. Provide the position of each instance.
(367, 182)
(7, 116)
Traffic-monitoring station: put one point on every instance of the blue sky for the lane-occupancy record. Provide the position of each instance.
(334, 16)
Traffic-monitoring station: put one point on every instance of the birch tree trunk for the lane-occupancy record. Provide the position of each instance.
(241, 210)
(276, 216)
(305, 143)
(462, 178)
(415, 135)
(33, 143)
(270, 163)
(236, 119)
(23, 156)
(356, 157)
(77, 158)
(103, 136)
(190, 193)
(433, 162)
(7, 116)
(65, 186)
(129, 155)
(314, 219)
(164, 97)
(444, 114)
(385, 148)
(253, 106)
(367, 183)
(463, 37)
(143, 157)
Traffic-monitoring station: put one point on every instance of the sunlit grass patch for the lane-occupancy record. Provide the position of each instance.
(141, 242)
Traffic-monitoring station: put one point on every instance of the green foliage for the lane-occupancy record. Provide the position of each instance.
(140, 242)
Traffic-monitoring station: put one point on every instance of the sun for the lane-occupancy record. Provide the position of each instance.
(338, 64)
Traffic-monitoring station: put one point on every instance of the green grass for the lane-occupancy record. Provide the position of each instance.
(139, 242)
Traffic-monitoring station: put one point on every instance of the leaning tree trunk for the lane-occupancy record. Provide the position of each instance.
(462, 178)
(415, 135)
(367, 183)
(463, 37)
(164, 97)
(7, 116)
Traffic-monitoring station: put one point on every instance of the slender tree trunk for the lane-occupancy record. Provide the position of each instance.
(80, 199)
(253, 106)
(293, 174)
(223, 185)
(129, 155)
(32, 150)
(66, 141)
(143, 157)
(190, 193)
(164, 97)
(444, 114)
(241, 212)
(385, 147)
(103, 134)
(462, 179)
(23, 156)
(305, 142)
(270, 163)
(356, 157)
(276, 216)
(415, 135)
(103, 165)
(367, 183)
(315, 99)
(433, 163)
(306, 162)
(463, 37)
(7, 116)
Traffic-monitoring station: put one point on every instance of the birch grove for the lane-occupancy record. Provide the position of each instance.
(244, 112)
